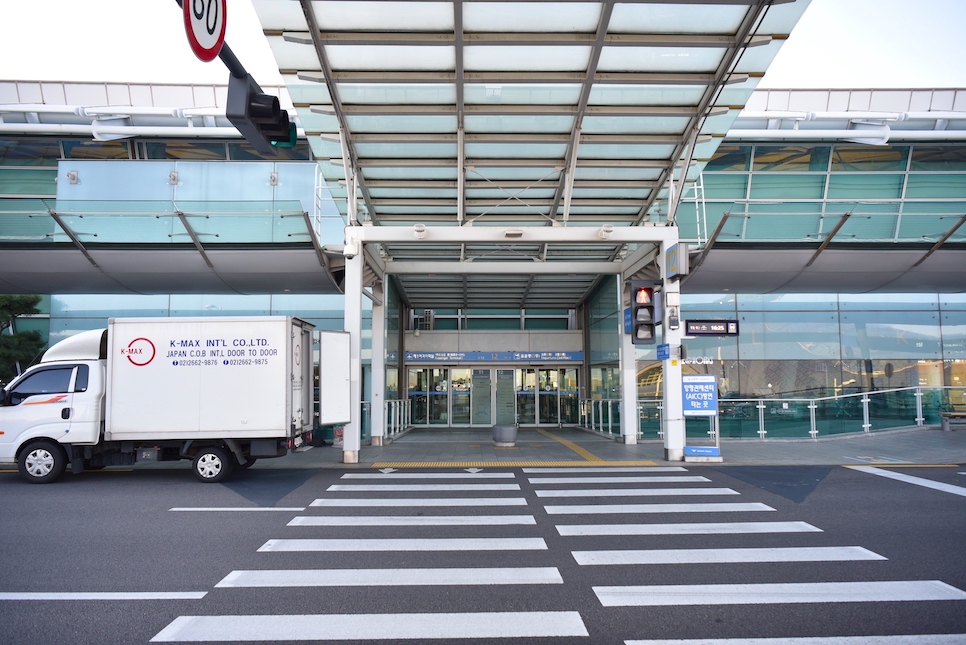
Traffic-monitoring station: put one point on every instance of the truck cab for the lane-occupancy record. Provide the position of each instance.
(59, 401)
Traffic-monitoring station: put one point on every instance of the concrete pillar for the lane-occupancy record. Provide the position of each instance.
(377, 415)
(628, 366)
(352, 435)
(674, 428)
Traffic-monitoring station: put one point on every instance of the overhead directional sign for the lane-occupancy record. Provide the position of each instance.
(204, 22)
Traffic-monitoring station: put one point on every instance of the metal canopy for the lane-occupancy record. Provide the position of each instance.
(515, 114)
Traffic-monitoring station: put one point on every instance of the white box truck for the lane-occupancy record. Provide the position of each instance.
(221, 392)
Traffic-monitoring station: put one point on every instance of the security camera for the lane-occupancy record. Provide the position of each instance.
(350, 250)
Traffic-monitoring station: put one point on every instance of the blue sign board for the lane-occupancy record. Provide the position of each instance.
(700, 395)
(663, 352)
(628, 325)
(702, 451)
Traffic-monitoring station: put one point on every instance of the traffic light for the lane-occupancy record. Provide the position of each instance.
(258, 117)
(645, 312)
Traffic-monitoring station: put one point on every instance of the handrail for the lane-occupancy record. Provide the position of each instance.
(793, 417)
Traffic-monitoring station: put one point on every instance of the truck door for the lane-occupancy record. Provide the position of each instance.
(39, 405)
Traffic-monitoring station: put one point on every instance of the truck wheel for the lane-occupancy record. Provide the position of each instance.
(212, 464)
(42, 462)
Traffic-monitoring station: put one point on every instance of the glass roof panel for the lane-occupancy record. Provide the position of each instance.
(387, 57)
(415, 150)
(633, 125)
(618, 174)
(738, 93)
(564, 17)
(525, 58)
(315, 122)
(384, 16)
(517, 151)
(293, 55)
(402, 124)
(781, 18)
(530, 173)
(660, 59)
(604, 193)
(646, 94)
(413, 193)
(522, 124)
(416, 210)
(306, 92)
(616, 151)
(532, 193)
(409, 172)
(479, 93)
(675, 19)
(394, 93)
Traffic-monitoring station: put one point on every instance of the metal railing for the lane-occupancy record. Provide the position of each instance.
(398, 416)
(790, 418)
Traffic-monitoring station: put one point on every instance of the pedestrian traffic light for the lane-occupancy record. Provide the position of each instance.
(258, 117)
(645, 312)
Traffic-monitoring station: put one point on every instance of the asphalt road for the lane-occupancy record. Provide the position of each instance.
(538, 557)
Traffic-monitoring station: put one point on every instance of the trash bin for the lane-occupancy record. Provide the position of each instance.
(505, 434)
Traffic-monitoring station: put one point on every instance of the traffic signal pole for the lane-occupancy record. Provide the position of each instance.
(673, 417)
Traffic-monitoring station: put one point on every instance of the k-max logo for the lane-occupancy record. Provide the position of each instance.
(139, 351)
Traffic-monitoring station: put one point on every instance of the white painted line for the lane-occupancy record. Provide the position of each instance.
(417, 520)
(422, 501)
(913, 639)
(635, 492)
(232, 509)
(701, 528)
(777, 593)
(406, 544)
(428, 476)
(606, 469)
(103, 595)
(382, 488)
(392, 577)
(345, 627)
(909, 479)
(723, 556)
(602, 509)
(618, 480)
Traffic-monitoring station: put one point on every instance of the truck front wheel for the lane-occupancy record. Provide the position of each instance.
(212, 464)
(42, 462)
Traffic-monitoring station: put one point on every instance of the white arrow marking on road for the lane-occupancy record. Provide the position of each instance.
(386, 471)
(473, 470)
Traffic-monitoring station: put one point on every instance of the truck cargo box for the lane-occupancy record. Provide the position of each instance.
(231, 377)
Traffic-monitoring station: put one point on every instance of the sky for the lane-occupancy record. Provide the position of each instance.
(837, 44)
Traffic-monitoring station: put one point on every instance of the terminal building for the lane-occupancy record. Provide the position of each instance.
(474, 188)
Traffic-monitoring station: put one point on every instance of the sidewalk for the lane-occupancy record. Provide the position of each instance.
(574, 447)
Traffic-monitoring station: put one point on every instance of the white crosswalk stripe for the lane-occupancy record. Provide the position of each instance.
(392, 577)
(428, 476)
(406, 544)
(699, 528)
(671, 479)
(418, 520)
(778, 593)
(914, 639)
(718, 556)
(385, 488)
(611, 509)
(342, 627)
(606, 469)
(635, 492)
(423, 501)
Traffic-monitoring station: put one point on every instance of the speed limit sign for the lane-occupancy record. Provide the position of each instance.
(204, 22)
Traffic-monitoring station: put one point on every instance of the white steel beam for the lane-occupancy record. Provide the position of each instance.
(510, 235)
(501, 268)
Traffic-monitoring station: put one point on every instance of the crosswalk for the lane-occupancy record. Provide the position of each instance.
(465, 519)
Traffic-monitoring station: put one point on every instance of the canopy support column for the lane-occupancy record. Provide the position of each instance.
(352, 434)
(629, 415)
(377, 413)
(674, 422)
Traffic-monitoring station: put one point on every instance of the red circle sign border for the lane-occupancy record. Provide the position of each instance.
(200, 51)
(154, 352)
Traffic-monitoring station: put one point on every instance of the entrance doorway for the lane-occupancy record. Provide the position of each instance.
(484, 396)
